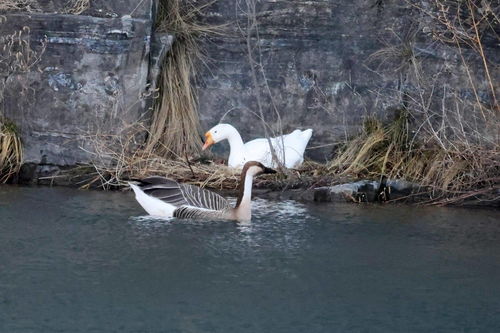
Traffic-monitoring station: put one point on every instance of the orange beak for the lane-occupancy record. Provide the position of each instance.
(208, 141)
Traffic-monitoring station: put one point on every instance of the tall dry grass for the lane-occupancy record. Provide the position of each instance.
(390, 150)
(175, 129)
(76, 7)
(24, 5)
(11, 153)
(439, 138)
(17, 57)
(17, 54)
(121, 157)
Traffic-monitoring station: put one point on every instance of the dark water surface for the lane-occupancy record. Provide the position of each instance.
(81, 261)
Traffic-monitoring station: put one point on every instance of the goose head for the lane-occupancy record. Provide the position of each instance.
(254, 168)
(250, 170)
(243, 209)
(218, 133)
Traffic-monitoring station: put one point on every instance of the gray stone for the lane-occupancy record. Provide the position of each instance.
(366, 191)
(98, 70)
(361, 191)
(93, 77)
(318, 72)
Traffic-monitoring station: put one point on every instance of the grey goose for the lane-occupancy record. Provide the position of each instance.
(164, 197)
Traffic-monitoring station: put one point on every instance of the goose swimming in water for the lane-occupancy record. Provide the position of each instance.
(166, 198)
(289, 148)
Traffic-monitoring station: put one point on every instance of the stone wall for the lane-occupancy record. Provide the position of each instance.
(324, 64)
(321, 66)
(81, 75)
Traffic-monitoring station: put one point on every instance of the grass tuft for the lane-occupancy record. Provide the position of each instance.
(76, 7)
(175, 129)
(453, 175)
(19, 5)
(11, 154)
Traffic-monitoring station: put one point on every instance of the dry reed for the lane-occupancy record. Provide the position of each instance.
(17, 57)
(175, 129)
(11, 154)
(438, 139)
(121, 157)
(21, 5)
(76, 7)
(452, 175)
(17, 54)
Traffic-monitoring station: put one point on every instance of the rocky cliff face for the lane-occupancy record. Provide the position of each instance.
(328, 64)
(324, 64)
(65, 77)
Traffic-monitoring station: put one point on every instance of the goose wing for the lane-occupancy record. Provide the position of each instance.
(170, 191)
(165, 189)
(201, 198)
(289, 149)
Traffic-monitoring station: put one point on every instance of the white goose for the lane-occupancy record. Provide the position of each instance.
(164, 197)
(289, 148)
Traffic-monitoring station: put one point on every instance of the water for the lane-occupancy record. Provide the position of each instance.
(81, 261)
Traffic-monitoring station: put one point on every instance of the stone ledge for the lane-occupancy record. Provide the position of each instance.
(367, 191)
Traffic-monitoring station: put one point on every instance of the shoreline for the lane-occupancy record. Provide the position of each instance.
(302, 185)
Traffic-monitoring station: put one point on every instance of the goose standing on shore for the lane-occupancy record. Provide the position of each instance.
(164, 197)
(289, 148)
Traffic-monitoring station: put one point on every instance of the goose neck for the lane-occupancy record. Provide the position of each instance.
(235, 140)
(244, 204)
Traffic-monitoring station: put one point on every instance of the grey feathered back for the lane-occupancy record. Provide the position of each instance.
(179, 195)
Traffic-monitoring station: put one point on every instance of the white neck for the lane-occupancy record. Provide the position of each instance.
(244, 210)
(236, 148)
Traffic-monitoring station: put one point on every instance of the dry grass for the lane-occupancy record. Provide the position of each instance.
(11, 154)
(16, 57)
(466, 24)
(119, 158)
(438, 138)
(453, 175)
(17, 54)
(76, 7)
(175, 129)
(23, 5)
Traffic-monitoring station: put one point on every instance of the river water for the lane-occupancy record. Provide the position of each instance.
(89, 261)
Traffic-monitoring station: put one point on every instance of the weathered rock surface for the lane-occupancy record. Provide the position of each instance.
(83, 75)
(319, 69)
(366, 191)
(319, 65)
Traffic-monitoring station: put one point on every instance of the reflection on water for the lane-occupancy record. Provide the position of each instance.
(82, 261)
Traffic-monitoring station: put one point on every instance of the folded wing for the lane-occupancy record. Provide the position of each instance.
(179, 195)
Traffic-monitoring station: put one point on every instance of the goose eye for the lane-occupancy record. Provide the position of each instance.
(215, 132)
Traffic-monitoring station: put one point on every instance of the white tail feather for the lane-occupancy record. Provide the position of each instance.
(307, 135)
(151, 205)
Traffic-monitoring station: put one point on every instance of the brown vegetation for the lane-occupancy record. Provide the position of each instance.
(175, 129)
(11, 153)
(16, 53)
(76, 7)
(438, 138)
(121, 157)
(16, 57)
(453, 175)
(25, 5)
